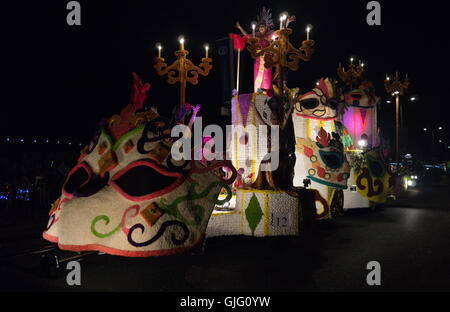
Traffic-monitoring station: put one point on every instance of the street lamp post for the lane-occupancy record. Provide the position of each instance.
(396, 88)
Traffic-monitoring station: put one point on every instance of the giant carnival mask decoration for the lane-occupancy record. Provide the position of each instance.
(319, 103)
(127, 196)
(325, 159)
(363, 97)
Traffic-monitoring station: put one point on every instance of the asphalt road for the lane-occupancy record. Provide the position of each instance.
(410, 238)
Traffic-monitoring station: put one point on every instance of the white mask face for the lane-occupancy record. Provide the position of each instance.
(127, 197)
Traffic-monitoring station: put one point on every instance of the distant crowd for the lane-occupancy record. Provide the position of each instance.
(30, 182)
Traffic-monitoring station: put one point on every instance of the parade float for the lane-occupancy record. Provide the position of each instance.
(370, 181)
(266, 202)
(359, 121)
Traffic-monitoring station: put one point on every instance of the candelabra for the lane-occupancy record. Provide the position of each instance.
(187, 71)
(281, 53)
(396, 88)
(353, 75)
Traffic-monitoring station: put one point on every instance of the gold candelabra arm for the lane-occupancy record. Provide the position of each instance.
(206, 66)
(293, 55)
(254, 47)
(306, 50)
(171, 70)
(192, 71)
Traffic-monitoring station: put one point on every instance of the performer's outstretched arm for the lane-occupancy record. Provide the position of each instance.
(238, 26)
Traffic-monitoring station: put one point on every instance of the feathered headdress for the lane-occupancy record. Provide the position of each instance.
(265, 18)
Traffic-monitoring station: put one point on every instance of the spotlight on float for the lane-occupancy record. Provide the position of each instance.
(362, 143)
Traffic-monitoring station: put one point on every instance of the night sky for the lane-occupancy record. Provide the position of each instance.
(60, 80)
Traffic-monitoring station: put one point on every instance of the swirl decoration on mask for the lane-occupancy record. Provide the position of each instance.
(136, 209)
(370, 183)
(158, 126)
(323, 202)
(174, 167)
(215, 165)
(51, 223)
(94, 141)
(198, 211)
(58, 208)
(162, 229)
(106, 219)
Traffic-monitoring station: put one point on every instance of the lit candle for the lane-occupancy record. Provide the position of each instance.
(283, 17)
(206, 46)
(387, 78)
(351, 60)
(182, 43)
(308, 29)
(253, 29)
(159, 47)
